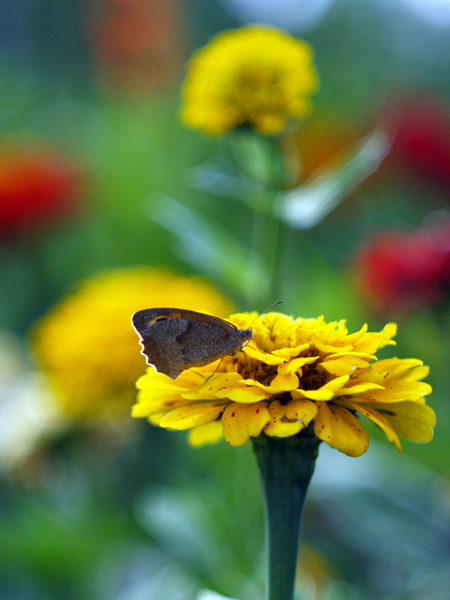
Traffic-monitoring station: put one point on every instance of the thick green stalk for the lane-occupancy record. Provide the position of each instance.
(286, 466)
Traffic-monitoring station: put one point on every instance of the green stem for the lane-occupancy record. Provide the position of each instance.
(286, 466)
(281, 262)
(264, 241)
(259, 159)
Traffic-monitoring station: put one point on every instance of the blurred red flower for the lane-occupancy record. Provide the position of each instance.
(37, 186)
(405, 271)
(421, 126)
(136, 44)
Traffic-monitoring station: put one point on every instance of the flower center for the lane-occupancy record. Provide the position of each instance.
(256, 370)
(255, 89)
(310, 378)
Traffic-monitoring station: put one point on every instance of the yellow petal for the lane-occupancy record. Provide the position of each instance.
(289, 419)
(359, 389)
(193, 415)
(209, 433)
(159, 381)
(377, 418)
(417, 373)
(208, 390)
(148, 405)
(398, 390)
(354, 338)
(345, 364)
(265, 357)
(372, 341)
(329, 348)
(412, 420)
(294, 365)
(336, 384)
(319, 395)
(286, 378)
(393, 367)
(285, 383)
(156, 418)
(268, 389)
(240, 421)
(287, 353)
(389, 331)
(326, 392)
(247, 394)
(340, 429)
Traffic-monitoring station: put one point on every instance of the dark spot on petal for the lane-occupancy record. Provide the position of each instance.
(287, 420)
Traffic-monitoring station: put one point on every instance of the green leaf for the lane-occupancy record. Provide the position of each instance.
(209, 595)
(210, 248)
(220, 177)
(308, 204)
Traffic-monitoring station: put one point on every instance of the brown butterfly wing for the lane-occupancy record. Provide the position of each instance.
(202, 343)
(174, 339)
(158, 340)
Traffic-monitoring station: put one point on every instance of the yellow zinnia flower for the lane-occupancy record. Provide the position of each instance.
(256, 75)
(87, 346)
(296, 374)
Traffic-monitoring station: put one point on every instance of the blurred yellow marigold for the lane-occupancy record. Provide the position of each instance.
(305, 374)
(87, 346)
(257, 75)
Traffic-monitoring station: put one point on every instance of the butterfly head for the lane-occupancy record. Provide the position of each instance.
(243, 338)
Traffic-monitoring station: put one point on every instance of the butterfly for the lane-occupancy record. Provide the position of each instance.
(174, 339)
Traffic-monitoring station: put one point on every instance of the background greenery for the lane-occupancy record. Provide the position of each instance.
(90, 516)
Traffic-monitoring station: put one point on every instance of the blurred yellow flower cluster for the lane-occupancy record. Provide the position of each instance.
(302, 374)
(256, 75)
(87, 346)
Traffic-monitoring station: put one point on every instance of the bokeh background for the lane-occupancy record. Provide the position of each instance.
(95, 505)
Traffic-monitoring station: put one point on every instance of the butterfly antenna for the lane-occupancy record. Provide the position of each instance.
(265, 311)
